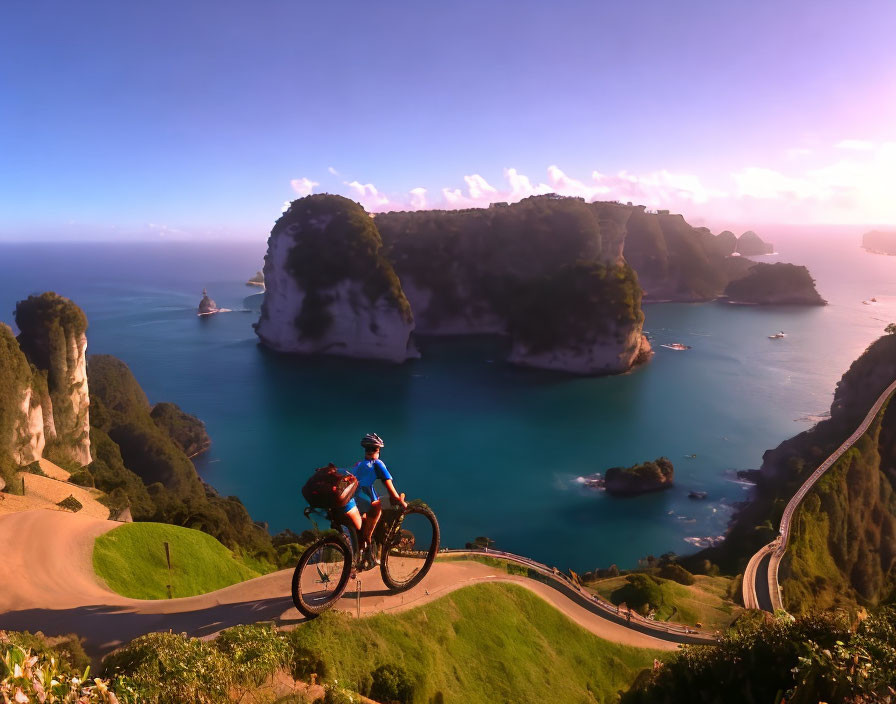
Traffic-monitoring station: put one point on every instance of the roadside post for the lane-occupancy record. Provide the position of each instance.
(168, 560)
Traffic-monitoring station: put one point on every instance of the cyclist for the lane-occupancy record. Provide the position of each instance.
(368, 471)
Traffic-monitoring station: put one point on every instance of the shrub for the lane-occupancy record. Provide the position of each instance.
(82, 478)
(167, 668)
(70, 503)
(255, 652)
(640, 593)
(391, 685)
(676, 573)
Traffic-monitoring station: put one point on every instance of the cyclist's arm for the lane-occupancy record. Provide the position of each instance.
(396, 497)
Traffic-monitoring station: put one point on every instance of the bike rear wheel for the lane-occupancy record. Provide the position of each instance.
(410, 549)
(322, 575)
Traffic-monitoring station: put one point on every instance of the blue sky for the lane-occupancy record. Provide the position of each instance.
(200, 119)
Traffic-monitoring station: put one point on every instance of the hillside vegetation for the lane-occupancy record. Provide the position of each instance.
(842, 549)
(131, 560)
(787, 466)
(825, 657)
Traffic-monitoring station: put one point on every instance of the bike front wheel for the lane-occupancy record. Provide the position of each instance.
(409, 549)
(322, 575)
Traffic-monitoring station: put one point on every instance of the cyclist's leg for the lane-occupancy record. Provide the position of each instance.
(354, 515)
(371, 519)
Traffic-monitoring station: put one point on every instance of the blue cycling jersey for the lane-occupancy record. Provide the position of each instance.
(367, 472)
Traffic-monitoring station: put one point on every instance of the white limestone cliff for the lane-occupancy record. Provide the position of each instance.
(602, 355)
(28, 439)
(360, 327)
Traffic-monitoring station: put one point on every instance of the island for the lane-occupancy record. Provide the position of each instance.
(775, 284)
(560, 279)
(546, 272)
(256, 280)
(750, 244)
(207, 306)
(640, 478)
(880, 242)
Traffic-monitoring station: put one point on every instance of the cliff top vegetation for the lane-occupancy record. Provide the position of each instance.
(764, 282)
(336, 240)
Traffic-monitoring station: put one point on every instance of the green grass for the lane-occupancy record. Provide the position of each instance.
(131, 559)
(705, 602)
(481, 644)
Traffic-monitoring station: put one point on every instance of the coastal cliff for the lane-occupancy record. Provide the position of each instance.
(676, 261)
(843, 549)
(44, 409)
(775, 284)
(54, 340)
(329, 289)
(547, 272)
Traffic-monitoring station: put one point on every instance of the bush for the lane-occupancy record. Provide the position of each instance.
(391, 685)
(255, 652)
(640, 593)
(676, 573)
(167, 668)
(82, 478)
(70, 503)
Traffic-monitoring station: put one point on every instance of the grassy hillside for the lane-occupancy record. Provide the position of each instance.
(843, 541)
(705, 602)
(131, 559)
(485, 643)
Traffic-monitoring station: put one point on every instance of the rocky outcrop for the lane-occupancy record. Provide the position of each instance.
(775, 284)
(640, 478)
(329, 289)
(880, 242)
(750, 244)
(53, 338)
(207, 305)
(22, 437)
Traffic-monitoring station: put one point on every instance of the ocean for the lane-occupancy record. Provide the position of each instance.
(495, 450)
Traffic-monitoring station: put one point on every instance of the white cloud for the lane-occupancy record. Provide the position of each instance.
(452, 196)
(479, 188)
(859, 145)
(521, 186)
(368, 195)
(303, 186)
(418, 198)
(333, 171)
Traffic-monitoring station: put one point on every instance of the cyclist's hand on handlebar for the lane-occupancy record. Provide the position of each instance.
(404, 504)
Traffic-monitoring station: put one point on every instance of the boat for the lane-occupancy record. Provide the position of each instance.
(874, 300)
(777, 335)
(866, 303)
(676, 346)
(697, 495)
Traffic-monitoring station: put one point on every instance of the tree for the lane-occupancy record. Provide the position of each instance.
(890, 329)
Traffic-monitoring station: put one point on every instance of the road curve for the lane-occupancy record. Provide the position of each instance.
(51, 587)
(778, 546)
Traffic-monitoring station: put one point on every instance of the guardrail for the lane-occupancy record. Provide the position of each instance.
(553, 577)
(778, 546)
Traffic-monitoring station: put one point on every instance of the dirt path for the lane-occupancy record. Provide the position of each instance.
(50, 586)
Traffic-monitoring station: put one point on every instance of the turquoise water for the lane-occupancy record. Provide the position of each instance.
(495, 450)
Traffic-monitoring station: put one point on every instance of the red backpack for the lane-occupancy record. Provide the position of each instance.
(329, 488)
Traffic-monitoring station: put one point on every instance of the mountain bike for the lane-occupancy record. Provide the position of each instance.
(406, 540)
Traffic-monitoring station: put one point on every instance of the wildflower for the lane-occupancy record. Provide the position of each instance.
(21, 697)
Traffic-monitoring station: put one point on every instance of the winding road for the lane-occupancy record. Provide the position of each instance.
(761, 589)
(50, 586)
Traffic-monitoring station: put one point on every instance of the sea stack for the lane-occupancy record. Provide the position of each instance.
(329, 289)
(207, 306)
